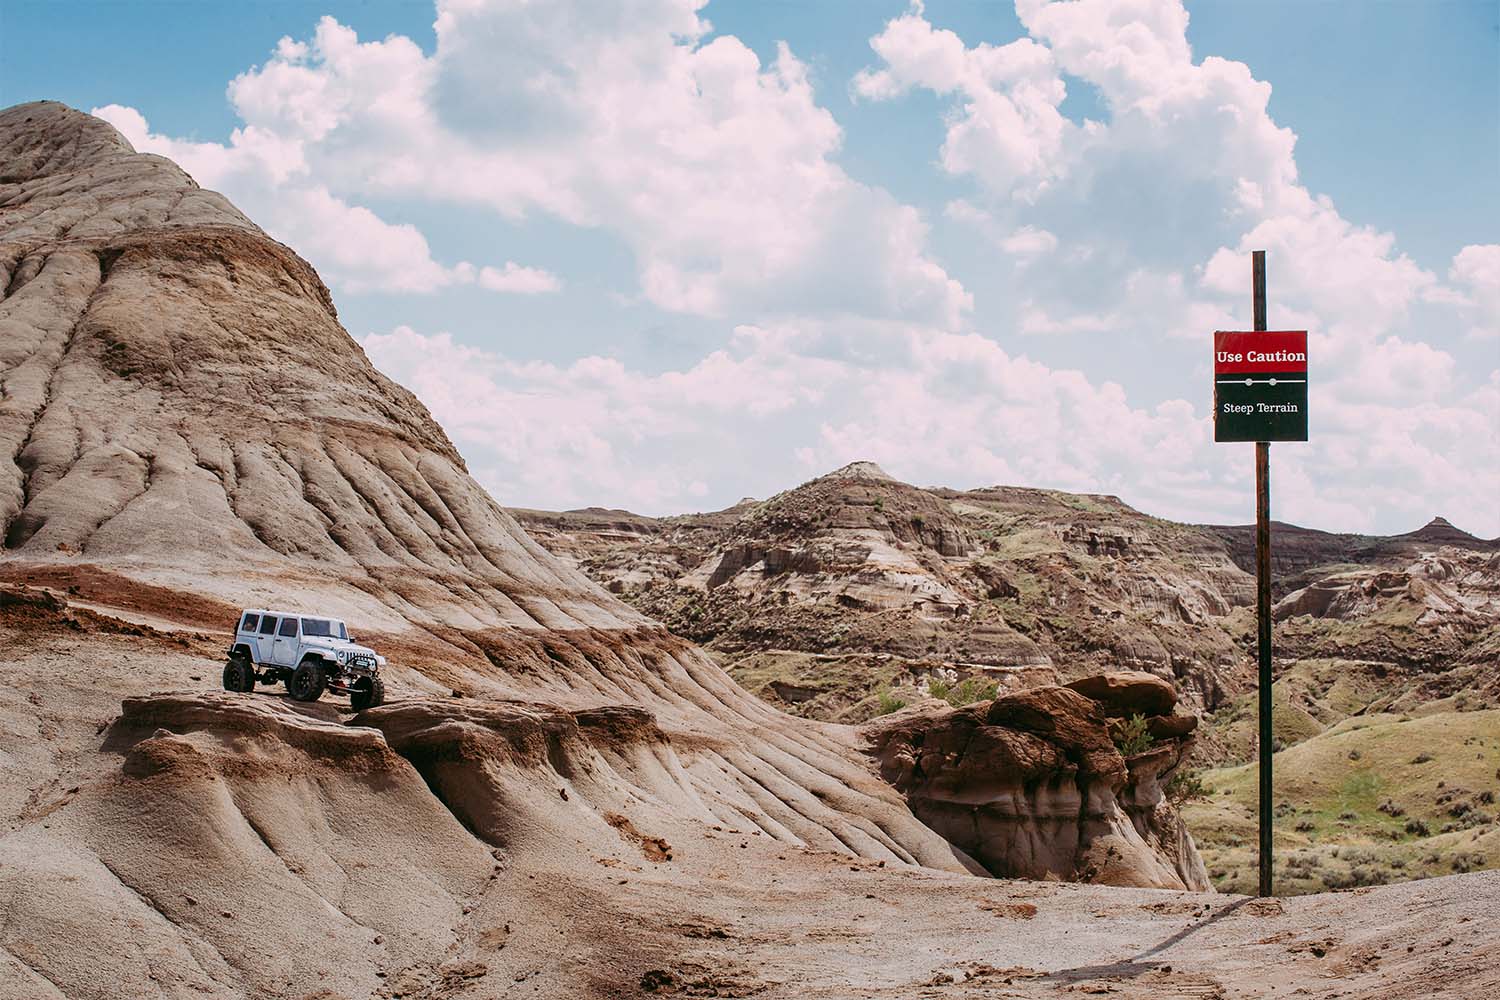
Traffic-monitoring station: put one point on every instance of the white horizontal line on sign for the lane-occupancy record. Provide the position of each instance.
(1262, 381)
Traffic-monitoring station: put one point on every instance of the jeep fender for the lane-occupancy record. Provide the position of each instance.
(243, 649)
(329, 659)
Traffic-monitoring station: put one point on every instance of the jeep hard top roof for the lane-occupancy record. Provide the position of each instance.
(288, 614)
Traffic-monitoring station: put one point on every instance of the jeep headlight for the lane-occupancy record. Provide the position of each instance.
(340, 654)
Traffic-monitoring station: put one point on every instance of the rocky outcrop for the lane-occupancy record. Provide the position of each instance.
(1126, 692)
(1032, 785)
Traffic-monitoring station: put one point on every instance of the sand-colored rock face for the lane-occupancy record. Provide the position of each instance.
(561, 799)
(1031, 785)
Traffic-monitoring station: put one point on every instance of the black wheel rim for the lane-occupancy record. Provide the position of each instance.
(300, 684)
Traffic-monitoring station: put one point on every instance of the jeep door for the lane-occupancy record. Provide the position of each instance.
(265, 639)
(284, 651)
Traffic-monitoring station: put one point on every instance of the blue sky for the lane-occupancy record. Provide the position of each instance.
(893, 240)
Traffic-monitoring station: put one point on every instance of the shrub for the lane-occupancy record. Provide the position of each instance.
(1133, 736)
(880, 503)
(938, 688)
(1416, 826)
(971, 689)
(1390, 808)
(1306, 826)
(1186, 786)
(886, 702)
(1421, 758)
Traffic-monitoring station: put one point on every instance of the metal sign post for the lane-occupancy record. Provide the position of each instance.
(1260, 395)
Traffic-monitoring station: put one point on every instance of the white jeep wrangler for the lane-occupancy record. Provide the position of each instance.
(308, 654)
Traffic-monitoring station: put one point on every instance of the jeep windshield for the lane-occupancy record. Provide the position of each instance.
(323, 628)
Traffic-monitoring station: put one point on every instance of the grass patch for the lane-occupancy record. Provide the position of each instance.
(1371, 800)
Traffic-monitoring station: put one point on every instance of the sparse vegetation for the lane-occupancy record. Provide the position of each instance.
(1132, 735)
(1187, 786)
(886, 702)
(1375, 818)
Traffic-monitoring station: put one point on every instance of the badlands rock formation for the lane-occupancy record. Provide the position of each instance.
(858, 573)
(560, 799)
(1032, 784)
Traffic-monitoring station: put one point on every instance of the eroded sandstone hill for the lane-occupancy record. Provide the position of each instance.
(561, 798)
(189, 430)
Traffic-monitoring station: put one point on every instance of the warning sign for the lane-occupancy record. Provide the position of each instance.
(1260, 385)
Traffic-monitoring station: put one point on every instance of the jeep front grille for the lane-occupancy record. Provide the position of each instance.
(361, 661)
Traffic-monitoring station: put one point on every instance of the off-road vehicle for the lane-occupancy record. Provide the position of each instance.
(307, 653)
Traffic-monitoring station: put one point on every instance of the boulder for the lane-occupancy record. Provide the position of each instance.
(1128, 692)
(1171, 727)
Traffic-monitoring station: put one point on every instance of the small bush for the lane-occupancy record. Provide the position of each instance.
(1390, 808)
(1187, 786)
(971, 689)
(886, 702)
(1422, 758)
(1306, 826)
(880, 503)
(1133, 736)
(1418, 828)
(1355, 755)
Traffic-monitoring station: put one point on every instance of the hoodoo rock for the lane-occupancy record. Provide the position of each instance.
(1031, 785)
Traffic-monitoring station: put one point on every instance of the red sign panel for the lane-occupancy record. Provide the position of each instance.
(1260, 351)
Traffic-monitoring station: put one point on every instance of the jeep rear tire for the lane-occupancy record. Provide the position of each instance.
(308, 682)
(367, 692)
(239, 675)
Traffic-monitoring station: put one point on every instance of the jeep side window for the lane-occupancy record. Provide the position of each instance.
(268, 625)
(288, 627)
(250, 622)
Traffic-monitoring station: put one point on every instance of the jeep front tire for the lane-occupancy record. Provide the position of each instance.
(239, 675)
(308, 682)
(367, 692)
